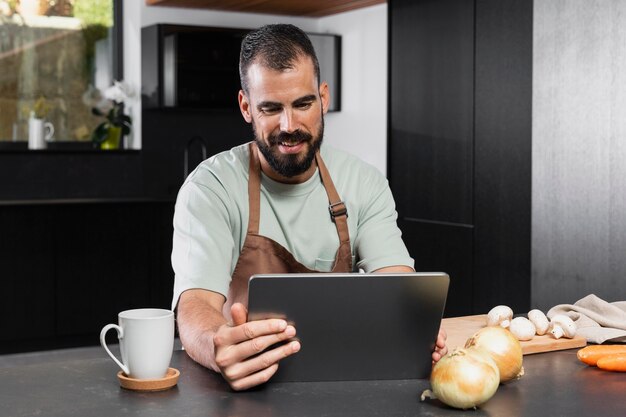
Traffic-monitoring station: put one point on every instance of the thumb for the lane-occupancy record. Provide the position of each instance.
(239, 313)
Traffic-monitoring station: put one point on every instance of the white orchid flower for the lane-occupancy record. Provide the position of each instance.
(119, 92)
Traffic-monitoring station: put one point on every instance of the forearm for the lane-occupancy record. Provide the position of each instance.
(396, 268)
(198, 319)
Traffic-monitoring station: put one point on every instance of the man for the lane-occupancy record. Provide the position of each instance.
(263, 207)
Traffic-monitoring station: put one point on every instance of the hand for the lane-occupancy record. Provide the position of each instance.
(238, 348)
(440, 346)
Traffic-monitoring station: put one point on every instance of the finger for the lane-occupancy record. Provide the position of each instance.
(436, 356)
(263, 361)
(441, 343)
(254, 379)
(250, 330)
(259, 344)
(240, 352)
(239, 313)
(442, 336)
(441, 339)
(443, 351)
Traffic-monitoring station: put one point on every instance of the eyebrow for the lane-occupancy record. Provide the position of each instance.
(306, 99)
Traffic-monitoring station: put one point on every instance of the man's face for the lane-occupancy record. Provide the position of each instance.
(286, 110)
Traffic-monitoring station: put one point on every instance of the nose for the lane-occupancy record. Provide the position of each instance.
(286, 121)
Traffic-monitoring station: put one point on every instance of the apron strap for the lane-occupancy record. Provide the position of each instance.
(254, 190)
(337, 208)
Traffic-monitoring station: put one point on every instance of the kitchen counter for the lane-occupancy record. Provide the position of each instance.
(82, 382)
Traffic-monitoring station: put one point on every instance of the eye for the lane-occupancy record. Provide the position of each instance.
(270, 109)
(304, 106)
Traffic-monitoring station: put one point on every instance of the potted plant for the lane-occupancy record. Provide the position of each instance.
(108, 134)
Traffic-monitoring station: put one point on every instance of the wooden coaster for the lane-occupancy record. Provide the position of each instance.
(159, 384)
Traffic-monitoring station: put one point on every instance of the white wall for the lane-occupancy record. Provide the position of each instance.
(361, 126)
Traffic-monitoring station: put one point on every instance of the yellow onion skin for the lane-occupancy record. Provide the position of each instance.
(504, 349)
(465, 378)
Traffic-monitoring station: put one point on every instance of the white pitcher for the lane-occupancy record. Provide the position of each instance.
(39, 131)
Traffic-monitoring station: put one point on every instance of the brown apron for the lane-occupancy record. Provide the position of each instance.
(262, 255)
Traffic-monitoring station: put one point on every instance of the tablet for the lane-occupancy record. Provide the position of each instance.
(354, 326)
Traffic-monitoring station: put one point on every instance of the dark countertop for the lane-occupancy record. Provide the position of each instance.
(82, 382)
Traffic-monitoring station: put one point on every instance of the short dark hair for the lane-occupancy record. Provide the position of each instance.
(277, 47)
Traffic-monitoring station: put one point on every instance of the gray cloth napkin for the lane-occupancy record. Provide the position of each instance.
(596, 320)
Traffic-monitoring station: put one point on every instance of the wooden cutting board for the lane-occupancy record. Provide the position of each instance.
(459, 329)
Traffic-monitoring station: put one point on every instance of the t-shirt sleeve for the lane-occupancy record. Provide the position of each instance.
(203, 245)
(379, 240)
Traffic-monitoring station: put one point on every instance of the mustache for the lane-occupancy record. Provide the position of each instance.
(296, 136)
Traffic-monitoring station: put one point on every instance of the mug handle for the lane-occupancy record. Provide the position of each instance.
(120, 335)
(50, 133)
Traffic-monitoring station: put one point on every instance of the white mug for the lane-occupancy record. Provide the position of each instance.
(39, 132)
(146, 338)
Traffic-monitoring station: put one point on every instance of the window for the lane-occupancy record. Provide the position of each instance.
(53, 53)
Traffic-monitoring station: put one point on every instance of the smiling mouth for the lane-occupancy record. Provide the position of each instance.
(291, 148)
(290, 144)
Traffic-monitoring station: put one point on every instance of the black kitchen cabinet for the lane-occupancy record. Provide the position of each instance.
(27, 262)
(460, 95)
(190, 66)
(69, 268)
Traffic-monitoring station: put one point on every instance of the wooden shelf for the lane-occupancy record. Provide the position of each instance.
(284, 7)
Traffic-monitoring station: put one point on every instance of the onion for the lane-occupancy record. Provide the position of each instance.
(464, 378)
(504, 349)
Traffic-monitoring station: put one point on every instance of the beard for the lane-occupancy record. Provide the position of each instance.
(290, 165)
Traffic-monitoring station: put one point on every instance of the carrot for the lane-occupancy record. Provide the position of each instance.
(591, 354)
(616, 363)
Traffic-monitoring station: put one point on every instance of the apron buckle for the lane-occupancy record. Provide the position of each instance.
(337, 209)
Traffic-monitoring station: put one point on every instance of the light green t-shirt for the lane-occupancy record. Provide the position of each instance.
(211, 219)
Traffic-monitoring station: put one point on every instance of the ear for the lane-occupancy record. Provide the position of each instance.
(324, 96)
(244, 106)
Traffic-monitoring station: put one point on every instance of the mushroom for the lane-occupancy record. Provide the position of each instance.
(539, 320)
(563, 326)
(500, 316)
(522, 328)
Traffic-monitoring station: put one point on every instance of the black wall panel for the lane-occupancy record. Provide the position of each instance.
(459, 143)
(503, 126)
(431, 108)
